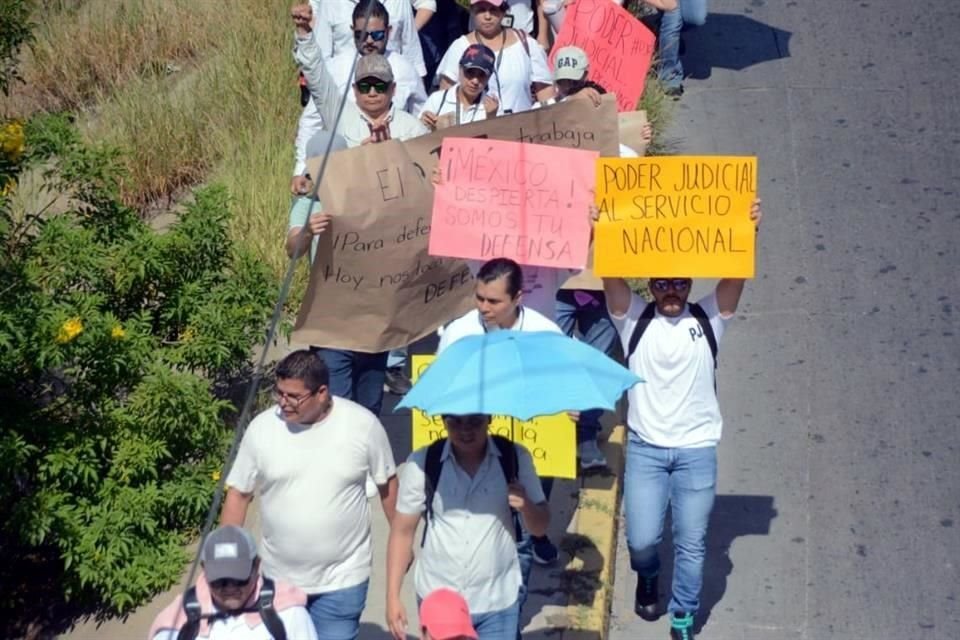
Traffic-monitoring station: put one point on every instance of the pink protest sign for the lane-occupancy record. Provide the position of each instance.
(619, 47)
(513, 200)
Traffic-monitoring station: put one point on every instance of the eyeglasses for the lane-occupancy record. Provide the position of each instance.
(293, 401)
(380, 87)
(663, 284)
(229, 582)
(376, 36)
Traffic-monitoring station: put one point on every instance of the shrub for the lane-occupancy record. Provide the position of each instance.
(113, 341)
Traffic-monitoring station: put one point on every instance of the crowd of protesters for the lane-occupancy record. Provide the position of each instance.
(314, 460)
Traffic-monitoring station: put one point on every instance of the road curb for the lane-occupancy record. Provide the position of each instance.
(593, 545)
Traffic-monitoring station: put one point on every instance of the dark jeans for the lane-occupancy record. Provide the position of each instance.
(356, 376)
(446, 25)
(585, 312)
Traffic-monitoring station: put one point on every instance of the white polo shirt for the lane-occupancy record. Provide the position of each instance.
(470, 545)
(677, 404)
(311, 483)
(334, 29)
(409, 96)
(471, 324)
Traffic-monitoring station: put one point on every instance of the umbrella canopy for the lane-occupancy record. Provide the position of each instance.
(519, 374)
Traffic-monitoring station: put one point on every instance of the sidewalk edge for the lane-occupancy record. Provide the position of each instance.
(595, 536)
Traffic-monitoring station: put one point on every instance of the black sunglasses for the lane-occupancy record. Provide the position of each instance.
(229, 582)
(380, 87)
(376, 36)
(663, 284)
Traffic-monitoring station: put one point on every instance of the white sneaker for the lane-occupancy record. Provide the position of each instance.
(372, 490)
(590, 455)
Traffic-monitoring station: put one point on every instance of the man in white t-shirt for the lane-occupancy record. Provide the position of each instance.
(307, 458)
(370, 36)
(674, 426)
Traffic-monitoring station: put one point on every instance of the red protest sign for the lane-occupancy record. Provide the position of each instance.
(618, 46)
(513, 200)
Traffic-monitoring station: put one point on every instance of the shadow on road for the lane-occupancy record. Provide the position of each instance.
(732, 41)
(733, 516)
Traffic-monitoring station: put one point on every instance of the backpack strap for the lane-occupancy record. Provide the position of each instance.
(268, 612)
(510, 465)
(191, 608)
(642, 323)
(697, 312)
(431, 471)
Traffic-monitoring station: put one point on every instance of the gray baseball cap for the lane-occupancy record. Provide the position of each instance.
(571, 63)
(374, 65)
(228, 552)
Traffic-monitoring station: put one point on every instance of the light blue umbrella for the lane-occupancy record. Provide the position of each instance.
(519, 374)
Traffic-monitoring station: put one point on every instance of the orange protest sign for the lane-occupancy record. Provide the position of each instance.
(619, 47)
(513, 200)
(675, 216)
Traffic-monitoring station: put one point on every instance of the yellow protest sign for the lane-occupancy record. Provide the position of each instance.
(551, 440)
(675, 216)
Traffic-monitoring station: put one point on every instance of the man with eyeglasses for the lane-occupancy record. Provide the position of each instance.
(674, 426)
(233, 600)
(307, 458)
(371, 31)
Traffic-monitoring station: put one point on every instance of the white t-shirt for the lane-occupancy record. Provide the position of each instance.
(515, 71)
(471, 324)
(445, 101)
(311, 482)
(677, 404)
(470, 544)
(295, 620)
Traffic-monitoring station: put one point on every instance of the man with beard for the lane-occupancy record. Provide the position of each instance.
(674, 426)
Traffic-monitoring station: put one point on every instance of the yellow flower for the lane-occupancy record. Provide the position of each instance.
(216, 476)
(9, 187)
(187, 335)
(117, 333)
(12, 135)
(70, 330)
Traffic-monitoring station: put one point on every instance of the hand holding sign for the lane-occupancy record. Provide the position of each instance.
(513, 200)
(684, 215)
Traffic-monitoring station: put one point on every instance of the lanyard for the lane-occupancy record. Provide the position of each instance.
(476, 105)
(496, 65)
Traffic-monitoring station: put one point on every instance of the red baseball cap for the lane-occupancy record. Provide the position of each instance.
(445, 615)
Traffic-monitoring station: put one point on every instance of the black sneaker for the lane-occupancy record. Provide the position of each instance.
(544, 551)
(648, 595)
(675, 92)
(681, 626)
(397, 382)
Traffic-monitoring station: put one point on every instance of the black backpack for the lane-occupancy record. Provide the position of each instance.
(434, 465)
(268, 614)
(695, 310)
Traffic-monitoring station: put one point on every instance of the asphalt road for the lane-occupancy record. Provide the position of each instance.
(838, 513)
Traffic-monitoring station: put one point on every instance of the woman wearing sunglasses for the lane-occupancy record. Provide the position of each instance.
(468, 100)
(520, 64)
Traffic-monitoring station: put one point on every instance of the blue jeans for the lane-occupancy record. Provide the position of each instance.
(686, 478)
(687, 13)
(336, 614)
(356, 376)
(596, 329)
